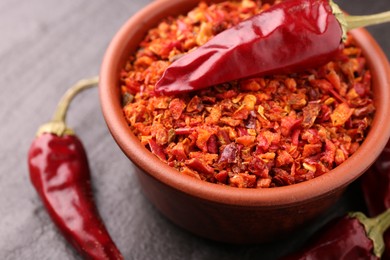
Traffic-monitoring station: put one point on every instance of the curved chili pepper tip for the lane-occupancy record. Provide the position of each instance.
(60, 173)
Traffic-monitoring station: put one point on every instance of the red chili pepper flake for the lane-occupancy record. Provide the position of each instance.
(256, 132)
(157, 149)
(229, 154)
(199, 166)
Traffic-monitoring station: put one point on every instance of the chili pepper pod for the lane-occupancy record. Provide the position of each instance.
(351, 237)
(288, 37)
(60, 173)
(375, 184)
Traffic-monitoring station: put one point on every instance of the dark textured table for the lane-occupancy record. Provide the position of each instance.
(46, 46)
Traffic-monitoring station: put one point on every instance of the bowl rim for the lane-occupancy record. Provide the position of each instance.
(285, 196)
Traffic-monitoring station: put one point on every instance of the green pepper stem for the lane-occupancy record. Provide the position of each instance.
(375, 228)
(63, 105)
(349, 22)
(57, 124)
(366, 20)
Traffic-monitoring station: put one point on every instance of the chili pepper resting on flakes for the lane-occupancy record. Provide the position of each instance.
(375, 185)
(288, 37)
(60, 173)
(351, 237)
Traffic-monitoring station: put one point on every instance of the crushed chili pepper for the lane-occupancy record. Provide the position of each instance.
(350, 237)
(59, 171)
(256, 132)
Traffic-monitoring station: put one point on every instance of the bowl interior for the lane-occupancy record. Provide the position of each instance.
(126, 42)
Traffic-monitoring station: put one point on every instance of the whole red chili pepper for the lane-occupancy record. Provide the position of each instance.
(351, 237)
(288, 37)
(60, 173)
(375, 185)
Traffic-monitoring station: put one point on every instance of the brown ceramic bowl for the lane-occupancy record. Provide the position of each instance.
(224, 213)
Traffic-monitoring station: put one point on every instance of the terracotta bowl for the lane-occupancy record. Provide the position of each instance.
(224, 213)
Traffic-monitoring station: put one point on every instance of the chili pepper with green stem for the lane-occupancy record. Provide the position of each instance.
(288, 37)
(351, 237)
(60, 173)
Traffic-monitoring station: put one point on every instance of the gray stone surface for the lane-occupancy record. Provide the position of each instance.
(46, 46)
